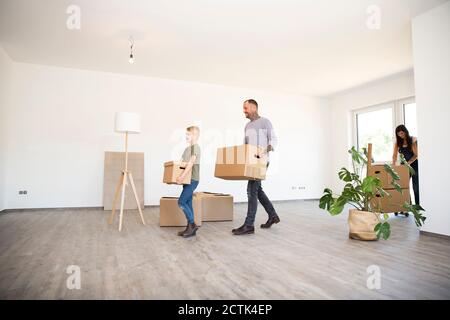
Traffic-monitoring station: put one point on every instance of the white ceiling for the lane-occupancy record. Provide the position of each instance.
(312, 47)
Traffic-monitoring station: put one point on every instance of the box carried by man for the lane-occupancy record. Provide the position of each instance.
(244, 162)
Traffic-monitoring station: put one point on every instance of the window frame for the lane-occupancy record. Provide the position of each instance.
(402, 104)
(398, 117)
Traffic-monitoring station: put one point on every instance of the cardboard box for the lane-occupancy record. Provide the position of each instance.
(394, 202)
(171, 215)
(215, 206)
(244, 162)
(386, 180)
(379, 172)
(403, 173)
(172, 171)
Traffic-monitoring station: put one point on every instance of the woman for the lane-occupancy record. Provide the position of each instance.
(407, 146)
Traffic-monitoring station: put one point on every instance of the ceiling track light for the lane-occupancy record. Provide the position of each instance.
(131, 59)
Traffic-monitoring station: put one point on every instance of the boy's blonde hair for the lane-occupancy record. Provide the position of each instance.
(194, 129)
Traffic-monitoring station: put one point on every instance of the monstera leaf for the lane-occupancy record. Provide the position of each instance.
(370, 185)
(337, 206)
(358, 156)
(345, 175)
(416, 209)
(394, 175)
(326, 200)
(383, 229)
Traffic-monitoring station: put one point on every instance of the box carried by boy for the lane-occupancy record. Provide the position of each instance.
(172, 170)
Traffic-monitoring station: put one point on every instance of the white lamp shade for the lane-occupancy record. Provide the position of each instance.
(128, 122)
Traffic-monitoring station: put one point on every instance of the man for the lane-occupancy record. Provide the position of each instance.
(258, 132)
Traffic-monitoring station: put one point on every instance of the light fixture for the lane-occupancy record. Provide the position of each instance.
(131, 59)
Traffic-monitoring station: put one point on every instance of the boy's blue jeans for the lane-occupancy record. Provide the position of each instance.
(185, 200)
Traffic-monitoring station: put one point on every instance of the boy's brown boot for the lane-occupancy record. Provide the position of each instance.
(190, 231)
(180, 233)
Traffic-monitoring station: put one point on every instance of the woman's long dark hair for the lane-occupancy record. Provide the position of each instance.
(407, 137)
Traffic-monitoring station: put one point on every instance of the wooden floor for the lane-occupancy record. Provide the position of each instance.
(307, 256)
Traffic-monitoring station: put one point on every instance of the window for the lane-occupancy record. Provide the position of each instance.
(377, 125)
(410, 117)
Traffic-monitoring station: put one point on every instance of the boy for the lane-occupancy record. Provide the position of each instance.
(191, 155)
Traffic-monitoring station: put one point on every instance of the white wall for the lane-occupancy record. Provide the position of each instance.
(5, 82)
(431, 47)
(61, 122)
(342, 105)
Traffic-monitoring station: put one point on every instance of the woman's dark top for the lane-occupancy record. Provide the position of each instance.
(408, 153)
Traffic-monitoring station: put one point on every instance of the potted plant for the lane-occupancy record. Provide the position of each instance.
(366, 221)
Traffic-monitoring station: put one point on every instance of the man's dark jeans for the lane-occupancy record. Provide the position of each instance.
(255, 193)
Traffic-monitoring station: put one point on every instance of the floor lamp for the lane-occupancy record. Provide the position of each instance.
(126, 122)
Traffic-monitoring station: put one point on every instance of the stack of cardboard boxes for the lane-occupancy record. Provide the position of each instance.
(394, 202)
(207, 207)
